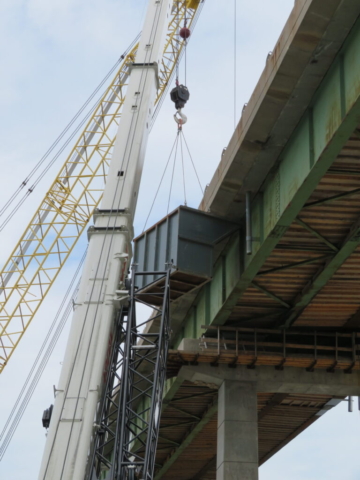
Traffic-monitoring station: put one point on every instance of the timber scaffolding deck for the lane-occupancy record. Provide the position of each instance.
(295, 300)
(278, 348)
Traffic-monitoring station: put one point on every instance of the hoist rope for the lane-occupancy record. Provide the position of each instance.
(41, 361)
(56, 142)
(162, 99)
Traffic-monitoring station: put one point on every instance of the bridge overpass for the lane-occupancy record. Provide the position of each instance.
(271, 342)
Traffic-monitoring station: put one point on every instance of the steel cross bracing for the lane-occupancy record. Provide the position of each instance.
(76, 192)
(125, 444)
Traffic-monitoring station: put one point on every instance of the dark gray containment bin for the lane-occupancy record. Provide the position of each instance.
(186, 238)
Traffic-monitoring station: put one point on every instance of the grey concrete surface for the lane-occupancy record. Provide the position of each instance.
(237, 435)
(289, 380)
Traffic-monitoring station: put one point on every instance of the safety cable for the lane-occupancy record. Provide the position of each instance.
(41, 361)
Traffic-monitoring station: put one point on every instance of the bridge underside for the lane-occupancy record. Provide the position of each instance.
(312, 277)
(297, 150)
(191, 455)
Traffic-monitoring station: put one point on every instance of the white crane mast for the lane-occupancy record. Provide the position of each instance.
(73, 421)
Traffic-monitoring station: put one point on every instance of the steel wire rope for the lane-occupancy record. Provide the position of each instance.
(34, 378)
(173, 170)
(56, 142)
(183, 169)
(148, 53)
(192, 162)
(161, 180)
(180, 134)
(28, 192)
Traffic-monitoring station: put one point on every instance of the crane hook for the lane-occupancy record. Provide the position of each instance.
(180, 118)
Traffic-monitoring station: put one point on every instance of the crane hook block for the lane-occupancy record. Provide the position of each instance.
(179, 95)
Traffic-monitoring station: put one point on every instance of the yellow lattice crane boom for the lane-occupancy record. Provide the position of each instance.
(69, 204)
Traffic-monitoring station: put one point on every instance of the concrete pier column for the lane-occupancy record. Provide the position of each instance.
(237, 435)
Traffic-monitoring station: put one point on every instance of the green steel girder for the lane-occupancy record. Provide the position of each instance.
(334, 198)
(211, 464)
(327, 124)
(208, 415)
(294, 265)
(310, 152)
(270, 294)
(325, 273)
(317, 234)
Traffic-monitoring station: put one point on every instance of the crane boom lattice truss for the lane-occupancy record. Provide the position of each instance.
(126, 440)
(76, 192)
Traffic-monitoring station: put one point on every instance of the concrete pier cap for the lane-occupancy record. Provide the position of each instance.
(268, 380)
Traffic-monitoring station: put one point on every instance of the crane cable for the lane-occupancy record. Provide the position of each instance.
(41, 361)
(161, 100)
(173, 170)
(183, 169)
(179, 135)
(56, 142)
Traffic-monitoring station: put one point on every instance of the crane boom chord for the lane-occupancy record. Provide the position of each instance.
(74, 195)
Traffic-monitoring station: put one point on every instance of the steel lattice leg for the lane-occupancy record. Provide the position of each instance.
(126, 441)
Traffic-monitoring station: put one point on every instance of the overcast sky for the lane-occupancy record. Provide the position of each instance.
(53, 54)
